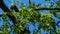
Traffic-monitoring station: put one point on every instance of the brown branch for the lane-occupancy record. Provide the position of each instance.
(14, 19)
(29, 1)
(47, 9)
(5, 9)
(3, 6)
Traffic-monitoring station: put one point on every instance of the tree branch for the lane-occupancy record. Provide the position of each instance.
(47, 9)
(5, 9)
(11, 16)
(3, 6)
(29, 1)
(14, 19)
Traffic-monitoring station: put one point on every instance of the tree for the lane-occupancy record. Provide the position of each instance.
(29, 14)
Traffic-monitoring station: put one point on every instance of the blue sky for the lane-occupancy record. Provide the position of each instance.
(31, 27)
